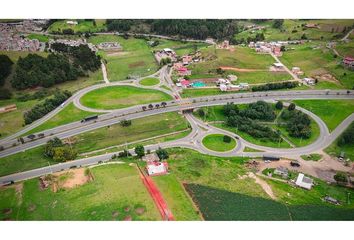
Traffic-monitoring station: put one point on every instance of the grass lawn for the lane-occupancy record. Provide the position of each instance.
(317, 62)
(100, 138)
(181, 48)
(136, 59)
(39, 37)
(176, 197)
(82, 26)
(149, 81)
(69, 114)
(121, 97)
(312, 157)
(260, 77)
(215, 142)
(335, 150)
(332, 112)
(115, 188)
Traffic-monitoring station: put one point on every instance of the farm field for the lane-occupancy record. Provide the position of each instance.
(243, 58)
(332, 112)
(181, 48)
(98, 139)
(176, 197)
(149, 81)
(317, 62)
(116, 193)
(135, 60)
(82, 26)
(115, 97)
(346, 49)
(215, 142)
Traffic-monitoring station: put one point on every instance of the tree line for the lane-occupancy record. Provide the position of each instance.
(41, 109)
(67, 64)
(274, 86)
(5, 70)
(59, 151)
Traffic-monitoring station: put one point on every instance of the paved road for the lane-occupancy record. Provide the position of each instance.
(115, 116)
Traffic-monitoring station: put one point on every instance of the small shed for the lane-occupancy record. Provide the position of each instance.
(282, 171)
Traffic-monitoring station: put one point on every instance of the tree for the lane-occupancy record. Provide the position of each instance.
(5, 68)
(139, 150)
(340, 177)
(144, 108)
(125, 123)
(227, 139)
(282, 48)
(162, 153)
(163, 104)
(304, 37)
(51, 145)
(279, 105)
(278, 23)
(5, 94)
(151, 106)
(291, 107)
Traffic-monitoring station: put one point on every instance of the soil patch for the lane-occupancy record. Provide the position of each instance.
(7, 211)
(265, 186)
(115, 214)
(136, 64)
(71, 178)
(128, 218)
(140, 211)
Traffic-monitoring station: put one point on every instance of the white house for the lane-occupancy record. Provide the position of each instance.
(304, 182)
(157, 168)
(309, 81)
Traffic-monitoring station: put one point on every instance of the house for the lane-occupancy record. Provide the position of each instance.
(278, 65)
(348, 62)
(282, 171)
(210, 41)
(223, 87)
(72, 22)
(331, 200)
(309, 81)
(185, 83)
(150, 157)
(304, 182)
(244, 86)
(178, 84)
(186, 59)
(222, 81)
(295, 70)
(168, 50)
(311, 25)
(157, 168)
(183, 71)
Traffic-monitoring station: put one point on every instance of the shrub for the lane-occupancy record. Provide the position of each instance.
(227, 139)
(340, 177)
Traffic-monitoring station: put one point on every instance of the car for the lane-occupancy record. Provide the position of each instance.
(8, 183)
(237, 137)
(295, 164)
(267, 161)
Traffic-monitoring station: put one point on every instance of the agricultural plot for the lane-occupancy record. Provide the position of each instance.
(99, 139)
(346, 49)
(115, 193)
(135, 60)
(115, 97)
(317, 61)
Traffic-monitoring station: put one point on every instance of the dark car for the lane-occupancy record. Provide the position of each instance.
(237, 137)
(295, 164)
(8, 183)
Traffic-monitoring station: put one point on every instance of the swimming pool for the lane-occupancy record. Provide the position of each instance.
(198, 84)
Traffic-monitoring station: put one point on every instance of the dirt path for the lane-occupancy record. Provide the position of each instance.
(265, 186)
(242, 69)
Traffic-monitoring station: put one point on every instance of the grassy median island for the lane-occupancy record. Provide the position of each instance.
(149, 81)
(116, 192)
(101, 138)
(121, 97)
(332, 112)
(216, 142)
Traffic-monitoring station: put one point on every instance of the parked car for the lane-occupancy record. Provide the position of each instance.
(295, 164)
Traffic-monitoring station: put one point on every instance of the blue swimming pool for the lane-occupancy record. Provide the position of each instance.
(198, 84)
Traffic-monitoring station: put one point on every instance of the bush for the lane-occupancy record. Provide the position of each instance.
(125, 123)
(227, 139)
(5, 94)
(279, 105)
(274, 86)
(201, 112)
(162, 153)
(139, 150)
(291, 107)
(340, 177)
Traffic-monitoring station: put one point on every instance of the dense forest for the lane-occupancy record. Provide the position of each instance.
(5, 68)
(185, 28)
(67, 63)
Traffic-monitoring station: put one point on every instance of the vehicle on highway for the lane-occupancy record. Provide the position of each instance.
(7, 183)
(237, 137)
(89, 118)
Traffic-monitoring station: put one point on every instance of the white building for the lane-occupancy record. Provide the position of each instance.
(156, 168)
(72, 22)
(309, 81)
(304, 182)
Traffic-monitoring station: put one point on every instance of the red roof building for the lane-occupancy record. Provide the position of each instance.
(157, 168)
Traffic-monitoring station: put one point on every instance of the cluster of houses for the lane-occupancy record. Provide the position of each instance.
(273, 47)
(301, 180)
(166, 53)
(73, 43)
(109, 46)
(348, 62)
(11, 40)
(154, 166)
(226, 84)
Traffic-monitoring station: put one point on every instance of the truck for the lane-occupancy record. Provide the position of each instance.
(89, 118)
(270, 158)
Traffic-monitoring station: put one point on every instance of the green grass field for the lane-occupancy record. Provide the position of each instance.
(317, 62)
(181, 48)
(215, 142)
(69, 114)
(312, 157)
(116, 188)
(81, 27)
(121, 97)
(100, 138)
(39, 37)
(346, 49)
(176, 197)
(332, 112)
(149, 81)
(136, 59)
